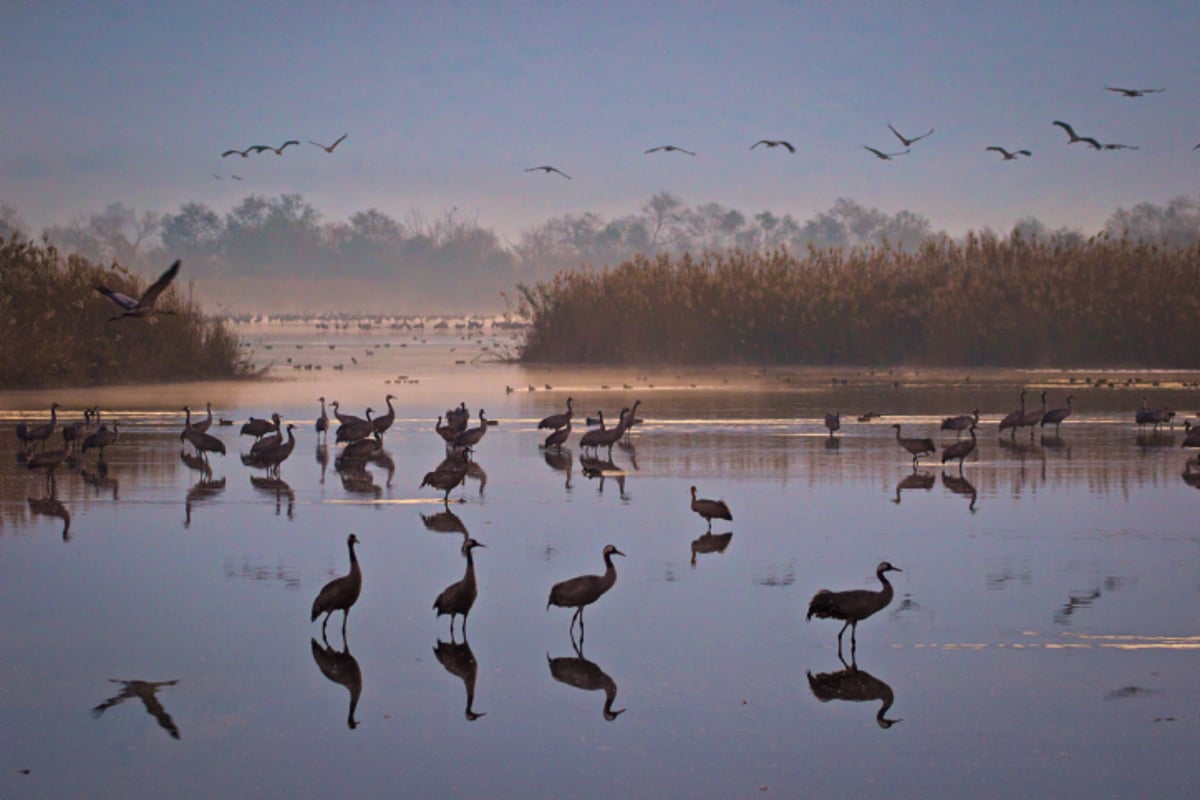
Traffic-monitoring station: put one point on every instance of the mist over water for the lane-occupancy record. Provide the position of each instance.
(1042, 639)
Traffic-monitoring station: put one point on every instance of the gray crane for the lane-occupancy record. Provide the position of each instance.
(273, 456)
(1031, 418)
(918, 447)
(458, 597)
(852, 606)
(323, 421)
(469, 438)
(340, 594)
(446, 477)
(40, 433)
(1013, 417)
(960, 450)
(558, 437)
(904, 140)
(381, 424)
(556, 421)
(1055, 416)
(710, 509)
(961, 422)
(102, 438)
(584, 590)
(356, 430)
(144, 305)
(833, 422)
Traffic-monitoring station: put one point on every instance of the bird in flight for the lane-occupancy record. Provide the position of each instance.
(886, 156)
(1007, 155)
(1120, 147)
(905, 140)
(279, 150)
(143, 306)
(1074, 136)
(242, 153)
(546, 168)
(327, 148)
(669, 148)
(1134, 92)
(774, 143)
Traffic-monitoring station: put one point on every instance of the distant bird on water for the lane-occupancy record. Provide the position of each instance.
(143, 306)
(329, 148)
(854, 605)
(833, 422)
(904, 140)
(669, 148)
(340, 593)
(1134, 92)
(546, 168)
(886, 156)
(1007, 155)
(774, 143)
(710, 509)
(1074, 137)
(458, 597)
(584, 590)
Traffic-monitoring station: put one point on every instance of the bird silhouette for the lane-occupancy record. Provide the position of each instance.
(1133, 92)
(960, 450)
(546, 168)
(279, 150)
(905, 140)
(669, 148)
(340, 594)
(886, 156)
(1055, 416)
(710, 509)
(243, 153)
(852, 606)
(144, 305)
(329, 148)
(854, 685)
(1115, 146)
(584, 590)
(1074, 137)
(556, 421)
(774, 143)
(459, 597)
(1007, 155)
(833, 422)
(918, 447)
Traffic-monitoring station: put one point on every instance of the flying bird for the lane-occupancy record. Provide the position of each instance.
(279, 150)
(669, 148)
(1007, 155)
(243, 153)
(1133, 92)
(327, 148)
(546, 168)
(144, 306)
(1074, 136)
(774, 143)
(886, 156)
(1120, 147)
(904, 140)
(258, 148)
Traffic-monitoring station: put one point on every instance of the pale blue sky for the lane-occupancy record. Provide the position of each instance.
(446, 104)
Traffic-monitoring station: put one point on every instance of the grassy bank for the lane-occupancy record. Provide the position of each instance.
(56, 330)
(981, 301)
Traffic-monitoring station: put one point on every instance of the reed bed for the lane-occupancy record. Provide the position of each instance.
(56, 330)
(984, 300)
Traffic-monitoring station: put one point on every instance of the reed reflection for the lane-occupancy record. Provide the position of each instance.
(711, 543)
(147, 692)
(584, 674)
(961, 486)
(459, 661)
(916, 480)
(279, 489)
(342, 668)
(854, 685)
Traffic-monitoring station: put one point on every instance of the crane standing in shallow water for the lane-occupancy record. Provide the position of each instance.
(710, 509)
(854, 605)
(340, 593)
(459, 597)
(584, 590)
(918, 447)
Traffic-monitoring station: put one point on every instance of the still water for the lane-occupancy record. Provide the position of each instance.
(1044, 637)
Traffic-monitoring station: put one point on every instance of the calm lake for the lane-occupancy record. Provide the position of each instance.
(1044, 638)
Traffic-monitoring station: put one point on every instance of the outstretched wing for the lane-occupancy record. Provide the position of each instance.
(903, 141)
(876, 152)
(1000, 150)
(339, 141)
(1093, 142)
(231, 152)
(156, 288)
(288, 143)
(788, 145)
(123, 300)
(761, 141)
(1070, 131)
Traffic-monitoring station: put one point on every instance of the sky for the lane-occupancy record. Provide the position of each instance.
(446, 104)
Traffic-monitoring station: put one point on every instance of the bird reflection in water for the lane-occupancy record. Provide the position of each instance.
(147, 692)
(445, 522)
(341, 668)
(204, 489)
(380, 458)
(915, 480)
(854, 685)
(279, 489)
(630, 449)
(561, 461)
(458, 660)
(832, 442)
(961, 486)
(322, 456)
(1191, 472)
(51, 506)
(583, 674)
(100, 480)
(711, 543)
(1155, 439)
(596, 467)
(357, 479)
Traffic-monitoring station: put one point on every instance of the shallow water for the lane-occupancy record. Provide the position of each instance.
(1043, 640)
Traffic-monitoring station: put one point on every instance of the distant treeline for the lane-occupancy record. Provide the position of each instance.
(56, 330)
(983, 300)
